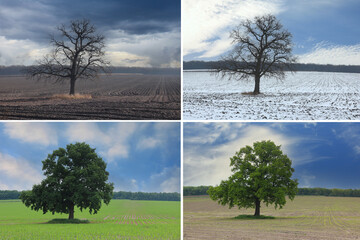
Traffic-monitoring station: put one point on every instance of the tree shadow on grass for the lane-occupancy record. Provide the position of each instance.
(68, 221)
(251, 217)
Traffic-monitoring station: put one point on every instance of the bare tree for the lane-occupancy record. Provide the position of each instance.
(262, 48)
(77, 54)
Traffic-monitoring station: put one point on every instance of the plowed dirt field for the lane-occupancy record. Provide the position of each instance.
(307, 217)
(118, 96)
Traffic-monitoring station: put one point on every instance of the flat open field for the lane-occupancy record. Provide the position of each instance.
(118, 96)
(307, 217)
(300, 96)
(122, 219)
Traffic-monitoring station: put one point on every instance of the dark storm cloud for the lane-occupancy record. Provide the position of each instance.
(132, 16)
(145, 31)
(145, 27)
(110, 10)
(34, 19)
(25, 20)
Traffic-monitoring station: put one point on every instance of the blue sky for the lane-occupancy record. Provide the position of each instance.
(139, 33)
(323, 154)
(324, 31)
(140, 156)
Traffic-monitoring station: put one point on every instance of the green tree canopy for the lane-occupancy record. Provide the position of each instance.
(75, 176)
(261, 173)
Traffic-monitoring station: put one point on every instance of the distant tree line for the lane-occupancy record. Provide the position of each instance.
(193, 191)
(330, 192)
(13, 194)
(9, 194)
(147, 196)
(18, 70)
(335, 192)
(193, 65)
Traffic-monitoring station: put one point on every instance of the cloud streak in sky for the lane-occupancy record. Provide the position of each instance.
(207, 23)
(324, 53)
(207, 163)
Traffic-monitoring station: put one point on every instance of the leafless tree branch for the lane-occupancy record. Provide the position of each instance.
(261, 48)
(77, 54)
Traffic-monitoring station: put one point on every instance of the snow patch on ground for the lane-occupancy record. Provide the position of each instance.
(300, 96)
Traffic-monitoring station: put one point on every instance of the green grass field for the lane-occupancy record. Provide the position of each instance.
(307, 217)
(121, 219)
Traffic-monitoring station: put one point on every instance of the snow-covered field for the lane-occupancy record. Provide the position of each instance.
(300, 96)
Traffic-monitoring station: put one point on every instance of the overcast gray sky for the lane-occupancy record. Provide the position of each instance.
(138, 32)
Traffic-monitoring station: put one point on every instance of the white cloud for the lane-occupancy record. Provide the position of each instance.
(113, 141)
(148, 143)
(117, 58)
(20, 52)
(36, 133)
(162, 133)
(171, 184)
(133, 184)
(120, 150)
(306, 180)
(168, 180)
(19, 173)
(206, 23)
(310, 39)
(351, 135)
(324, 53)
(357, 149)
(149, 50)
(126, 184)
(5, 187)
(310, 124)
(84, 132)
(209, 165)
(217, 47)
(309, 7)
(226, 130)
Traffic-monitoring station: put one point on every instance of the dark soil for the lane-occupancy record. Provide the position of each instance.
(126, 97)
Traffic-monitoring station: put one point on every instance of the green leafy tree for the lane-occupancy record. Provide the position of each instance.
(261, 173)
(75, 176)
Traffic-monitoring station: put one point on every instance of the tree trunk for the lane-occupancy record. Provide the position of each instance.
(257, 84)
(71, 211)
(257, 207)
(72, 86)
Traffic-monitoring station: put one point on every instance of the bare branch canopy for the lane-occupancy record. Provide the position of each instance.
(77, 54)
(261, 48)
